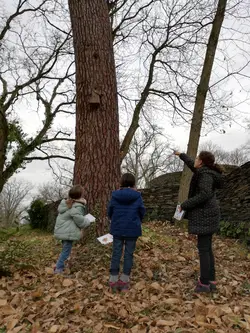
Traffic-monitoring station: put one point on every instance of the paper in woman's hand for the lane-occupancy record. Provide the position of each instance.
(89, 218)
(105, 239)
(179, 214)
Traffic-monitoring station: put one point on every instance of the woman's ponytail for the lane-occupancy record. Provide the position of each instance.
(208, 160)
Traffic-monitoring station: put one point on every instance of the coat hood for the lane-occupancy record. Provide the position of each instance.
(126, 195)
(218, 177)
(63, 207)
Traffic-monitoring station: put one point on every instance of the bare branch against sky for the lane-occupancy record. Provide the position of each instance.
(37, 71)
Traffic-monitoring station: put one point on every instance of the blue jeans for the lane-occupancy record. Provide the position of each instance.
(66, 250)
(129, 244)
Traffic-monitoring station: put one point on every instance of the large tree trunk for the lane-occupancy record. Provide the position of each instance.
(202, 89)
(97, 158)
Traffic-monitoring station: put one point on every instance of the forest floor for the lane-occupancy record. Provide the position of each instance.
(161, 297)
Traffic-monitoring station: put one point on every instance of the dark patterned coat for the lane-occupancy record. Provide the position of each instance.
(203, 211)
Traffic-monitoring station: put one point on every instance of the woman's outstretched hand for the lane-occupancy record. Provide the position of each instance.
(176, 153)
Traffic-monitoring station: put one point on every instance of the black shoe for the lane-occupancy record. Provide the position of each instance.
(202, 288)
(213, 286)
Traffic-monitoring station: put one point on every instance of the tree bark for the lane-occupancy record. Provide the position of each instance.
(97, 156)
(202, 89)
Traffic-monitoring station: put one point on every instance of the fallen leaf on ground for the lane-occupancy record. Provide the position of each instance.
(3, 302)
(67, 283)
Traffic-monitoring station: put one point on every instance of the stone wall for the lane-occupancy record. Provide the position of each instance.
(161, 199)
(174, 177)
(160, 202)
(235, 196)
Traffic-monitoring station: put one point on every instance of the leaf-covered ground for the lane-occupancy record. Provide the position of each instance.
(161, 298)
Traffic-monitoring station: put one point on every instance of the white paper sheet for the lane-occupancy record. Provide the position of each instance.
(90, 218)
(105, 239)
(178, 215)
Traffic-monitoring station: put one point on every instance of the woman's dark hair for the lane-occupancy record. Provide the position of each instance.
(128, 180)
(75, 192)
(208, 160)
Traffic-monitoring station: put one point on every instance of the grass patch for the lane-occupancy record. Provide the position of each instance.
(23, 249)
(24, 231)
(158, 237)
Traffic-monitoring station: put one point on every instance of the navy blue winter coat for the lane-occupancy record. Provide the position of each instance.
(126, 211)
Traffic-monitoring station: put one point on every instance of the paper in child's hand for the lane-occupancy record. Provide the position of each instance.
(105, 239)
(178, 215)
(89, 218)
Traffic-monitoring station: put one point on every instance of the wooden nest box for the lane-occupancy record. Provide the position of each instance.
(94, 99)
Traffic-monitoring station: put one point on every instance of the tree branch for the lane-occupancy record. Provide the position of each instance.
(44, 158)
(17, 13)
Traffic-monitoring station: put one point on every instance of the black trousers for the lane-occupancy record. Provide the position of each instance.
(207, 269)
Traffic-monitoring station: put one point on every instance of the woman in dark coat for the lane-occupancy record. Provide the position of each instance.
(203, 212)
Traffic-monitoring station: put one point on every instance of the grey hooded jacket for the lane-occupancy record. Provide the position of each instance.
(70, 221)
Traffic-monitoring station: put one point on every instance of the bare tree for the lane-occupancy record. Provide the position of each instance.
(12, 201)
(201, 94)
(159, 59)
(168, 49)
(63, 173)
(97, 160)
(36, 74)
(167, 55)
(52, 191)
(149, 156)
(237, 156)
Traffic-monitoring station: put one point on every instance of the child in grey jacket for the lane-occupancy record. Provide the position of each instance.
(69, 223)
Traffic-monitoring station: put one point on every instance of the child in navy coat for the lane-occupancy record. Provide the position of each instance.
(126, 211)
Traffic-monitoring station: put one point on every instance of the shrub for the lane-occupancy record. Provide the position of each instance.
(152, 214)
(38, 215)
(237, 230)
